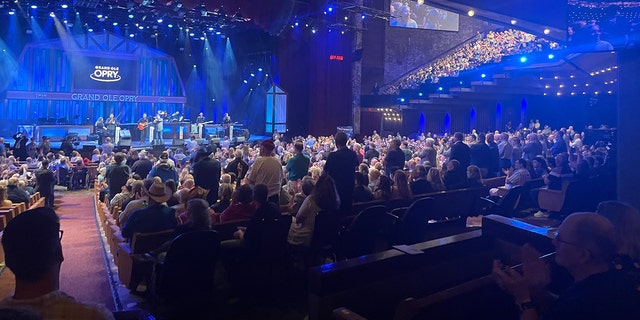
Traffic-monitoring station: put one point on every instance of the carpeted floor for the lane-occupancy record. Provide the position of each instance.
(83, 273)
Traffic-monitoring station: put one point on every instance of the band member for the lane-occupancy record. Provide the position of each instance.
(100, 129)
(111, 124)
(158, 121)
(143, 126)
(201, 119)
(226, 120)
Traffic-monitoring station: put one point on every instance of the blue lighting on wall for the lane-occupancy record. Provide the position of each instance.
(447, 122)
(523, 59)
(423, 123)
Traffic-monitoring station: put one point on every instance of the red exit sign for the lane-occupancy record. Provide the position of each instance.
(336, 57)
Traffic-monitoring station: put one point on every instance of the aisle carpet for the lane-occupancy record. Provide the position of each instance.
(83, 273)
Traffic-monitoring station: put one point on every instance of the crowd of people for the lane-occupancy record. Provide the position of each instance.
(491, 47)
(307, 176)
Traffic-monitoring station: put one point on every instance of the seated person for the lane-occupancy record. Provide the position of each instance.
(156, 216)
(16, 194)
(33, 252)
(474, 177)
(585, 244)
(419, 183)
(241, 207)
(516, 176)
(361, 192)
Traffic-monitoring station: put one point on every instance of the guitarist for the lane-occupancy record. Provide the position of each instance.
(143, 126)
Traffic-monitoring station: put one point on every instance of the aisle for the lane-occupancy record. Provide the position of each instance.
(83, 274)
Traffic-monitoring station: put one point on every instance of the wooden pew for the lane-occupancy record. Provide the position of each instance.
(373, 285)
(131, 270)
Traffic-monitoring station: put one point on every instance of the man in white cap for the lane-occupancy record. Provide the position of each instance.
(154, 217)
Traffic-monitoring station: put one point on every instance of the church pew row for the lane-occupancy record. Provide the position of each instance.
(373, 286)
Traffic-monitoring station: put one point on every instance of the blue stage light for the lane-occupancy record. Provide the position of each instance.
(401, 99)
(33, 6)
(115, 24)
(51, 14)
(483, 76)
(523, 59)
(245, 81)
(551, 56)
(253, 74)
(90, 30)
(64, 6)
(260, 69)
(440, 89)
(420, 94)
(130, 16)
(160, 20)
(330, 9)
(362, 17)
(99, 16)
(296, 24)
(12, 12)
(131, 35)
(170, 25)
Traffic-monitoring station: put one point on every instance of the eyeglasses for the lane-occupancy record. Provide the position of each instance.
(61, 233)
(558, 239)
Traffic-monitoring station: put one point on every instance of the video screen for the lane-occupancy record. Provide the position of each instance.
(601, 25)
(417, 15)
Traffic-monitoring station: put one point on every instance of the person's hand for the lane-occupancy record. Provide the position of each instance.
(511, 281)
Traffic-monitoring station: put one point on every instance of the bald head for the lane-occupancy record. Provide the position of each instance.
(593, 232)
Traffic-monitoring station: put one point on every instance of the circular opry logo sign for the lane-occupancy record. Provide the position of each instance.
(106, 74)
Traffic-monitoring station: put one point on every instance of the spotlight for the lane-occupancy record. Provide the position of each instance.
(523, 59)
(210, 28)
(253, 75)
(313, 31)
(160, 20)
(192, 34)
(130, 16)
(170, 25)
(296, 24)
(362, 17)
(64, 6)
(440, 89)
(201, 38)
(194, 65)
(546, 31)
(51, 14)
(90, 30)
(346, 18)
(115, 24)
(12, 12)
(245, 81)
(401, 99)
(131, 35)
(141, 27)
(260, 69)
(471, 13)
(33, 6)
(99, 16)
(218, 33)
(513, 21)
(420, 94)
(550, 56)
(483, 76)
(330, 9)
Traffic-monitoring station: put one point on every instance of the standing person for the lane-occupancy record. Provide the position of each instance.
(20, 145)
(117, 174)
(460, 151)
(32, 148)
(267, 170)
(237, 166)
(143, 126)
(3, 148)
(111, 124)
(298, 165)
(33, 252)
(158, 121)
(394, 159)
(45, 180)
(201, 119)
(206, 174)
(45, 146)
(429, 154)
(341, 166)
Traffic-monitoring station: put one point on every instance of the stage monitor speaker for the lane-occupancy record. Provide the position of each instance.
(125, 134)
(240, 139)
(178, 142)
(214, 141)
(124, 143)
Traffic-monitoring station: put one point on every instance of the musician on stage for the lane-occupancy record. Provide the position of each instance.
(158, 121)
(111, 124)
(226, 122)
(100, 129)
(143, 126)
(201, 119)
